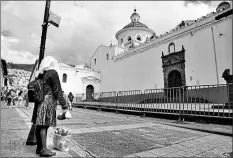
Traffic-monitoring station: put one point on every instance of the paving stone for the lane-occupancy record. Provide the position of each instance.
(132, 155)
(179, 147)
(146, 154)
(159, 152)
(123, 137)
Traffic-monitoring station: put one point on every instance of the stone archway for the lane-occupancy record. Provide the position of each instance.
(89, 92)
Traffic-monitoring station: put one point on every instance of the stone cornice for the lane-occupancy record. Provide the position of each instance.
(90, 78)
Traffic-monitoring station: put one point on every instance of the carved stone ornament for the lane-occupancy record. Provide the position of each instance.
(174, 62)
(90, 79)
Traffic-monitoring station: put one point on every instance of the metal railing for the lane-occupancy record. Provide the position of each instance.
(202, 100)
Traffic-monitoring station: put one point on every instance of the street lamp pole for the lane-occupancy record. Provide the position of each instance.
(44, 31)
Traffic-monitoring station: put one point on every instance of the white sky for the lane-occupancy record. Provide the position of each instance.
(84, 27)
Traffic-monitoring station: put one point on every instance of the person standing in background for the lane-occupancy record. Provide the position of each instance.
(20, 98)
(14, 97)
(71, 98)
(10, 97)
(26, 105)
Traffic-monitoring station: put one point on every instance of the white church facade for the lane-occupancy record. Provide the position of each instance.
(196, 52)
(76, 79)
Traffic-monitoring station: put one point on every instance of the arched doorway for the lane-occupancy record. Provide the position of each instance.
(89, 92)
(174, 79)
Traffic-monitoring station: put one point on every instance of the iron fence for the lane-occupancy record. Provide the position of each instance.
(202, 100)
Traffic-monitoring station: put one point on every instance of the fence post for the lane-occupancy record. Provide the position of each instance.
(179, 104)
(116, 103)
(142, 107)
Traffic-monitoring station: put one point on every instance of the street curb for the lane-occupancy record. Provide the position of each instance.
(200, 129)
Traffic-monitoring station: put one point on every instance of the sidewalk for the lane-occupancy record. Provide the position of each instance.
(15, 128)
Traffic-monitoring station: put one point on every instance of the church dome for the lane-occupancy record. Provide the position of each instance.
(135, 24)
(222, 6)
(135, 17)
(134, 33)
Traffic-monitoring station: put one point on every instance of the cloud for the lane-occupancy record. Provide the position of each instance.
(83, 29)
(207, 2)
(21, 57)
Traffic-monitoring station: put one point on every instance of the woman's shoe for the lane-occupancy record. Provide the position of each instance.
(46, 153)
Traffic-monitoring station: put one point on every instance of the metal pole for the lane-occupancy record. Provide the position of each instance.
(216, 65)
(44, 31)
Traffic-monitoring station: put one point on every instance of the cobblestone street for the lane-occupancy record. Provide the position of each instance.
(105, 134)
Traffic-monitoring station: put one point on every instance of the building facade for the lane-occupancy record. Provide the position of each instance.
(76, 79)
(196, 52)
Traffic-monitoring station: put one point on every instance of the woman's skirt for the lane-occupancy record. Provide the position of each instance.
(44, 114)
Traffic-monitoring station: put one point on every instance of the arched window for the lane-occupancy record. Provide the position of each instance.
(171, 48)
(107, 56)
(64, 78)
(139, 38)
(129, 38)
(95, 61)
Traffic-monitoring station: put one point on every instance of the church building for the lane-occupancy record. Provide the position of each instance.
(195, 52)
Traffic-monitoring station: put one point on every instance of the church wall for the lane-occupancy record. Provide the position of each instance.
(101, 58)
(143, 70)
(223, 45)
(74, 82)
(200, 66)
(138, 72)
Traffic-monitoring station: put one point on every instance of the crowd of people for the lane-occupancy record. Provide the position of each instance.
(15, 97)
(19, 98)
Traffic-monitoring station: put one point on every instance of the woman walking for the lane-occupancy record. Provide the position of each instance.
(44, 114)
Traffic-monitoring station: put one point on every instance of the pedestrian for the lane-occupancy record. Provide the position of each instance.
(20, 98)
(71, 98)
(1, 95)
(5, 93)
(64, 95)
(14, 97)
(10, 96)
(26, 105)
(44, 114)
